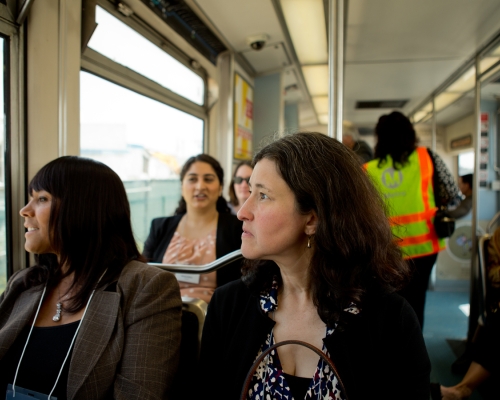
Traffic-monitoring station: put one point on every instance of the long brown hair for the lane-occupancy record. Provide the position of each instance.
(354, 249)
(89, 226)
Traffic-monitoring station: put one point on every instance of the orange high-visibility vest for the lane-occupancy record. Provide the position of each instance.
(410, 198)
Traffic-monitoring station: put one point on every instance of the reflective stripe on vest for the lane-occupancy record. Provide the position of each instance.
(410, 198)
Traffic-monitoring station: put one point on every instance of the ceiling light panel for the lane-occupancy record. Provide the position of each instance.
(445, 99)
(496, 51)
(468, 79)
(321, 104)
(305, 20)
(465, 83)
(316, 77)
(427, 107)
(487, 62)
(323, 119)
(427, 118)
(494, 71)
(419, 115)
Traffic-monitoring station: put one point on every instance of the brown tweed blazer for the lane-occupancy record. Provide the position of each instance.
(128, 344)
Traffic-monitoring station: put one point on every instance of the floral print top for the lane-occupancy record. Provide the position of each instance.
(269, 381)
(182, 250)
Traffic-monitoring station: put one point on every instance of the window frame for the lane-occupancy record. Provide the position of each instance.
(103, 67)
(98, 64)
(16, 157)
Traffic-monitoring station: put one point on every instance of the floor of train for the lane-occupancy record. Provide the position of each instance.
(445, 326)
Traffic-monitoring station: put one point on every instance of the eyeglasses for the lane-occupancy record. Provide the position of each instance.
(238, 180)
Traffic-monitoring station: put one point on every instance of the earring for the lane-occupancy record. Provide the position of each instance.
(309, 242)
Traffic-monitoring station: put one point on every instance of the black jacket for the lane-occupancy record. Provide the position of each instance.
(229, 230)
(381, 352)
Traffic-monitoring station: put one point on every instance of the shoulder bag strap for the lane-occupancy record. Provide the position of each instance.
(256, 364)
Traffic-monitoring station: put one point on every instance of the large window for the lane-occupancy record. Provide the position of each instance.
(144, 141)
(125, 46)
(141, 113)
(466, 163)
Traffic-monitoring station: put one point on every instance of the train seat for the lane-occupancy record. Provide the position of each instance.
(484, 284)
(193, 318)
(483, 277)
(194, 312)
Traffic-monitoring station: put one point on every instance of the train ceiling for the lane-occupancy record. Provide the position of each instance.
(395, 49)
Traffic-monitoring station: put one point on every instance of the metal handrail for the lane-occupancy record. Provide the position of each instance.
(201, 269)
(492, 223)
(483, 241)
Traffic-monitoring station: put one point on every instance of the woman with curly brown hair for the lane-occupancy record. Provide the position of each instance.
(323, 269)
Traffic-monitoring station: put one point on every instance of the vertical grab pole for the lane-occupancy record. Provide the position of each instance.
(474, 275)
(433, 148)
(434, 128)
(331, 67)
(335, 67)
(62, 80)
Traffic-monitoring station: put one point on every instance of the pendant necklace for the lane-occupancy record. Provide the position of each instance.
(57, 316)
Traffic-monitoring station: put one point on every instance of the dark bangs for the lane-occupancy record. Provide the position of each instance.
(89, 224)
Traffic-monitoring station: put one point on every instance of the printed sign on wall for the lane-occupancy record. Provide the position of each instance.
(484, 145)
(463, 142)
(243, 119)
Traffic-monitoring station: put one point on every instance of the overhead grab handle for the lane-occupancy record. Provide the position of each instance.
(201, 269)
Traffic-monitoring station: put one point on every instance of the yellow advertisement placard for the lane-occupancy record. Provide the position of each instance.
(243, 119)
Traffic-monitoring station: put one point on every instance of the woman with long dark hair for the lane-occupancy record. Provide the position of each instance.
(414, 182)
(90, 320)
(322, 268)
(201, 230)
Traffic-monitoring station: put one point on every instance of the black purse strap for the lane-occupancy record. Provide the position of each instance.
(251, 372)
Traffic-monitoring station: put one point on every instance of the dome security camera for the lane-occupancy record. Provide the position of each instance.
(257, 42)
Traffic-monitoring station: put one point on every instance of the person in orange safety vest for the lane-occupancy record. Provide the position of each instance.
(406, 177)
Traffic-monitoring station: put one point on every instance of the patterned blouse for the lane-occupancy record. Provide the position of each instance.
(445, 189)
(269, 381)
(182, 250)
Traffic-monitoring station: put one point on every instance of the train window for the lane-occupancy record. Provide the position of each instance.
(144, 141)
(466, 163)
(122, 44)
(3, 211)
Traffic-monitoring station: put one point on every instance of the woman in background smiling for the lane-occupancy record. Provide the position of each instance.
(201, 230)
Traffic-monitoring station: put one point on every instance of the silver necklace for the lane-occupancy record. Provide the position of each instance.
(70, 346)
(57, 316)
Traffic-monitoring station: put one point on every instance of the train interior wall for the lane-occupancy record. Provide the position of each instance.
(53, 77)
